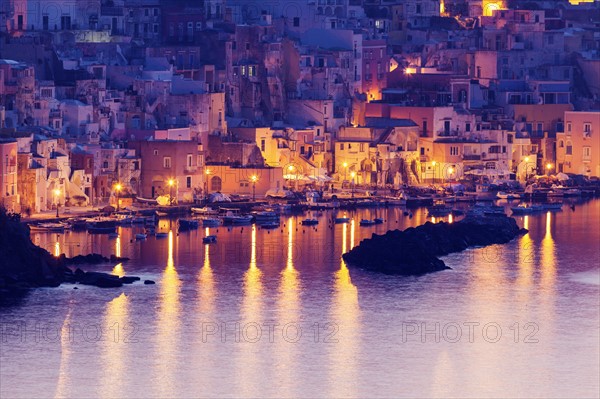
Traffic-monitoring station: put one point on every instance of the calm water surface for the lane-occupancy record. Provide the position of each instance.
(278, 314)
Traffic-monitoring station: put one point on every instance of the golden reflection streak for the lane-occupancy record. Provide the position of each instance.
(288, 309)
(64, 381)
(118, 270)
(116, 319)
(118, 246)
(345, 315)
(450, 219)
(57, 247)
(168, 326)
(206, 282)
(433, 219)
(251, 313)
(548, 257)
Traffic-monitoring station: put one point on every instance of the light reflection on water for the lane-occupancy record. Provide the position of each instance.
(295, 275)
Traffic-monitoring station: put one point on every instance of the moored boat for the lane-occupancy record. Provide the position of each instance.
(507, 195)
(209, 239)
(367, 222)
(524, 209)
(51, 227)
(310, 222)
(188, 224)
(102, 226)
(211, 222)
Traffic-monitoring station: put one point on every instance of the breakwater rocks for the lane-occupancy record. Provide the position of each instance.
(24, 265)
(415, 251)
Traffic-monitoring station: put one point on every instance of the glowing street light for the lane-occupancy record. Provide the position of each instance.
(254, 179)
(56, 195)
(290, 169)
(450, 172)
(207, 173)
(171, 183)
(549, 167)
(118, 188)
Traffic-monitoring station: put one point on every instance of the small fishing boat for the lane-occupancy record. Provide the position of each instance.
(378, 220)
(556, 206)
(266, 216)
(141, 236)
(342, 220)
(209, 239)
(102, 226)
(235, 217)
(526, 209)
(162, 235)
(310, 222)
(367, 222)
(211, 222)
(188, 224)
(507, 195)
(51, 227)
(204, 211)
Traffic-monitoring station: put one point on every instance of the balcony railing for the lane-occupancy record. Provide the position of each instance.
(471, 157)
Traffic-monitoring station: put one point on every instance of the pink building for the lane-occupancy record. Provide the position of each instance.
(9, 197)
(375, 68)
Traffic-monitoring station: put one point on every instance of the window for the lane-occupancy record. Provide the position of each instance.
(362, 147)
(587, 130)
(188, 182)
(569, 127)
(453, 150)
(215, 183)
(263, 145)
(540, 127)
(569, 150)
(167, 162)
(587, 153)
(190, 160)
(296, 22)
(105, 164)
(155, 152)
(341, 146)
(561, 144)
(468, 127)
(302, 150)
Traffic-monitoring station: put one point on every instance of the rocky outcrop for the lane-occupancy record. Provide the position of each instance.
(24, 265)
(415, 251)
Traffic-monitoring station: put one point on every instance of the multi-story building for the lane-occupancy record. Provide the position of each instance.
(8, 175)
(578, 147)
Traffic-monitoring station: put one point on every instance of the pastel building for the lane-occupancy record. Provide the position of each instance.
(578, 147)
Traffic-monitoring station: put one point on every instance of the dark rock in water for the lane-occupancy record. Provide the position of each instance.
(101, 280)
(24, 265)
(149, 282)
(129, 280)
(415, 250)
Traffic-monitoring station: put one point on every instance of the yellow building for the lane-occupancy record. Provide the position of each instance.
(578, 147)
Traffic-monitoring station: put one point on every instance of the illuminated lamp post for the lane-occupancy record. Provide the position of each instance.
(56, 196)
(254, 179)
(207, 173)
(171, 183)
(118, 188)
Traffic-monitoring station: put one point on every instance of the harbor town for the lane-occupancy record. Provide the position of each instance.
(299, 198)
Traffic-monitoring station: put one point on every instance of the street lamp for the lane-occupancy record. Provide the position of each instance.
(56, 195)
(450, 172)
(171, 183)
(290, 169)
(352, 175)
(549, 168)
(254, 179)
(207, 173)
(118, 188)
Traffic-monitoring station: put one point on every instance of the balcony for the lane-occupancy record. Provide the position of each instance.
(471, 157)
